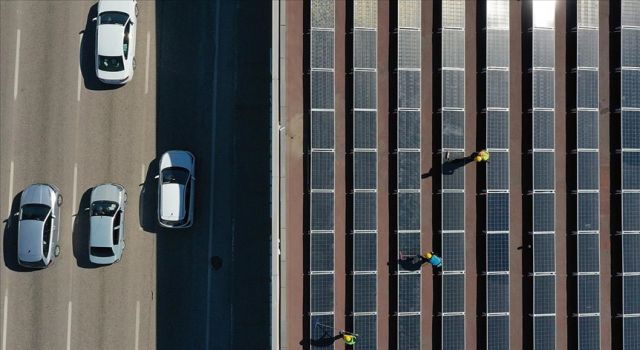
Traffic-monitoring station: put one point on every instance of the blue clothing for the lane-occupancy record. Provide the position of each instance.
(435, 261)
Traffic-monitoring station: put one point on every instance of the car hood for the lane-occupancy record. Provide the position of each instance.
(101, 231)
(30, 240)
(116, 5)
(106, 192)
(110, 38)
(172, 208)
(181, 159)
(38, 194)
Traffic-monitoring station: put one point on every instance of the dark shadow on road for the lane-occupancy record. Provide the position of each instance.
(81, 232)
(88, 54)
(10, 238)
(148, 203)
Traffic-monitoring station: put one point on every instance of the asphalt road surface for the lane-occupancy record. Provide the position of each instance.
(201, 84)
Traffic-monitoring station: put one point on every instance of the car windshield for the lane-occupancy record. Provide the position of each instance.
(175, 175)
(103, 208)
(101, 251)
(35, 212)
(113, 17)
(111, 63)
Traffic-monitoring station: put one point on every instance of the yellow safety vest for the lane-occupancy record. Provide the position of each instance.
(484, 155)
(349, 339)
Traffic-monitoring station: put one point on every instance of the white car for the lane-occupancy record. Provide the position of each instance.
(116, 40)
(106, 225)
(176, 189)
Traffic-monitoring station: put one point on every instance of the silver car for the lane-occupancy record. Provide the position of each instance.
(176, 189)
(39, 225)
(106, 235)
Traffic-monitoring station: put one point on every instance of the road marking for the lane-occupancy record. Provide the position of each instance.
(142, 173)
(10, 189)
(146, 67)
(15, 76)
(137, 323)
(4, 319)
(79, 70)
(75, 184)
(213, 132)
(69, 326)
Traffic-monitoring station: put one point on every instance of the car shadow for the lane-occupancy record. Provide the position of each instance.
(81, 233)
(10, 238)
(87, 54)
(148, 203)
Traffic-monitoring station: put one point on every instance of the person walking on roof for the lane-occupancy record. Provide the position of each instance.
(482, 156)
(349, 338)
(433, 259)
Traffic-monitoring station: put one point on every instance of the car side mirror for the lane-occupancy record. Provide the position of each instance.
(94, 19)
(156, 177)
(16, 213)
(87, 209)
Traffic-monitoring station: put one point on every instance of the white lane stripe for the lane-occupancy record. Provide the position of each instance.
(137, 323)
(142, 173)
(4, 319)
(79, 70)
(75, 185)
(69, 326)
(10, 189)
(146, 66)
(17, 67)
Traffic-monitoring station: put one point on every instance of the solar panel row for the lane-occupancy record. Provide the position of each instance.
(630, 170)
(408, 169)
(497, 175)
(543, 171)
(587, 274)
(452, 186)
(365, 166)
(321, 279)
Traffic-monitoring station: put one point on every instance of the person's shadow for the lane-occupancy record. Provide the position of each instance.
(450, 166)
(411, 263)
(325, 341)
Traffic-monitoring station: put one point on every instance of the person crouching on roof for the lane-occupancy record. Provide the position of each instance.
(432, 259)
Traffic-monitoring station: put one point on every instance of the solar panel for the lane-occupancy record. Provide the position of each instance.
(543, 89)
(543, 253)
(588, 170)
(587, 13)
(497, 48)
(452, 171)
(630, 249)
(543, 212)
(409, 129)
(543, 48)
(589, 332)
(364, 51)
(321, 211)
(630, 217)
(452, 14)
(409, 211)
(498, 88)
(497, 130)
(364, 211)
(498, 332)
(365, 129)
(630, 48)
(544, 294)
(408, 89)
(588, 253)
(452, 129)
(321, 170)
(497, 252)
(364, 83)
(322, 130)
(453, 52)
(409, 243)
(498, 171)
(409, 14)
(630, 170)
(322, 14)
(631, 129)
(543, 170)
(453, 211)
(409, 170)
(364, 292)
(587, 129)
(408, 48)
(453, 251)
(366, 328)
(588, 211)
(631, 294)
(543, 126)
(322, 43)
(497, 212)
(587, 47)
(365, 252)
(453, 332)
(630, 88)
(631, 333)
(497, 293)
(544, 332)
(588, 294)
(321, 292)
(452, 88)
(452, 293)
(321, 251)
(409, 332)
(365, 14)
(321, 89)
(409, 292)
(587, 88)
(365, 169)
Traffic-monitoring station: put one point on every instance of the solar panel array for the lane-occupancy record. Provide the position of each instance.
(497, 175)
(322, 189)
(408, 169)
(452, 187)
(587, 186)
(365, 163)
(630, 154)
(543, 184)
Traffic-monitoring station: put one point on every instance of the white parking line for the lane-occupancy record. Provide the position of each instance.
(142, 173)
(79, 70)
(15, 76)
(137, 323)
(146, 67)
(10, 189)
(69, 326)
(4, 319)
(75, 185)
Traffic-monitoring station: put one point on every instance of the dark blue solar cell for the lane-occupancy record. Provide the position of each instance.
(588, 294)
(630, 250)
(543, 212)
(453, 211)
(498, 252)
(588, 211)
(497, 293)
(364, 211)
(543, 252)
(453, 251)
(322, 170)
(322, 292)
(631, 170)
(452, 332)
(409, 211)
(630, 129)
(498, 212)
(408, 292)
(588, 253)
(364, 292)
(630, 209)
(453, 293)
(322, 331)
(364, 251)
(498, 332)
(588, 170)
(365, 326)
(544, 332)
(631, 333)
(589, 332)
(321, 252)
(544, 294)
(409, 332)
(631, 293)
(322, 211)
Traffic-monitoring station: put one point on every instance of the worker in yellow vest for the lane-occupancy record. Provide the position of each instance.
(482, 156)
(349, 338)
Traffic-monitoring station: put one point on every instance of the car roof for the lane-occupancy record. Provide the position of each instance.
(101, 231)
(30, 240)
(172, 205)
(110, 39)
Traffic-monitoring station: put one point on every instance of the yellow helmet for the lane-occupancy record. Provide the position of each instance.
(478, 159)
(348, 337)
(428, 255)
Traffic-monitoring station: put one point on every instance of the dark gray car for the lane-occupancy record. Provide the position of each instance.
(39, 225)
